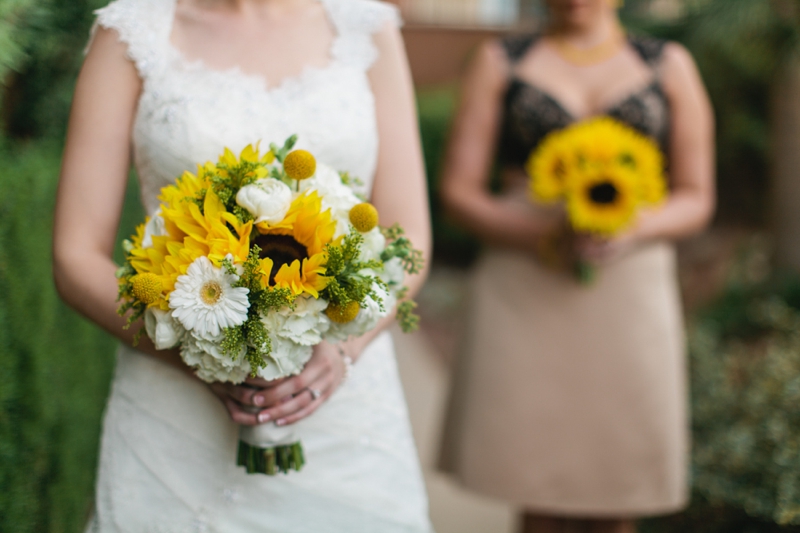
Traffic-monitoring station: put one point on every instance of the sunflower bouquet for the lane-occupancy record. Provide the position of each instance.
(251, 262)
(603, 171)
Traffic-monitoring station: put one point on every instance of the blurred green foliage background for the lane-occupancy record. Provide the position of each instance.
(55, 367)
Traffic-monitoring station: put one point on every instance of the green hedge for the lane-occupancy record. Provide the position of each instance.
(745, 387)
(55, 367)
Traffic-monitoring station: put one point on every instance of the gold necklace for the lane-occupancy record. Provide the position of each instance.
(584, 57)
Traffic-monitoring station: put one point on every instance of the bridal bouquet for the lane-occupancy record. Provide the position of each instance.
(254, 260)
(603, 171)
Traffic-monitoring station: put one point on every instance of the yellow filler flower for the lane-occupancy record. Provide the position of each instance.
(299, 165)
(364, 217)
(342, 314)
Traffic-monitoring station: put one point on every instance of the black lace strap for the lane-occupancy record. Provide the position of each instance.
(516, 45)
(649, 49)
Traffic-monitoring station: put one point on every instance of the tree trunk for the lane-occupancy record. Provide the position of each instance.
(785, 137)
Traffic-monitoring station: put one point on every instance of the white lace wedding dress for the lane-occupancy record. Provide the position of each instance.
(168, 445)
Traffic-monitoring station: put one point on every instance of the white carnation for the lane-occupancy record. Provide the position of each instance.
(214, 349)
(393, 272)
(205, 300)
(155, 227)
(288, 359)
(210, 368)
(162, 328)
(304, 325)
(374, 244)
(268, 200)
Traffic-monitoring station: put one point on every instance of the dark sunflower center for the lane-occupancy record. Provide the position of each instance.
(604, 193)
(282, 249)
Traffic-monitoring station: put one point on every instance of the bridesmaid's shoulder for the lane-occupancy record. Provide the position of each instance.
(657, 51)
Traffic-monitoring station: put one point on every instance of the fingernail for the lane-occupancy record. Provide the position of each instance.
(280, 422)
(263, 417)
(258, 400)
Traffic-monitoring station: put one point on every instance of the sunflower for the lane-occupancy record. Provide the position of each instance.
(192, 233)
(296, 246)
(549, 166)
(603, 199)
(604, 140)
(646, 159)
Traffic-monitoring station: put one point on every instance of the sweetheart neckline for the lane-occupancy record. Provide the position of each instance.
(605, 111)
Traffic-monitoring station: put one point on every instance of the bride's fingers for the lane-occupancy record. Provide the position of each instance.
(243, 395)
(238, 415)
(291, 387)
(262, 383)
(299, 402)
(305, 411)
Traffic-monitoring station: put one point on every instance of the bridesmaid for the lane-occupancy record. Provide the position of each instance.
(570, 400)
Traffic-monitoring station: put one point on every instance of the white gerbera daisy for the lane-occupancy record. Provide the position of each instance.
(205, 300)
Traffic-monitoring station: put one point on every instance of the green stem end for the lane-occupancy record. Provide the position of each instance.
(270, 461)
(585, 273)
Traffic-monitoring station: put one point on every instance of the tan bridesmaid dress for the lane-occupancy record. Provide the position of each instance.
(568, 399)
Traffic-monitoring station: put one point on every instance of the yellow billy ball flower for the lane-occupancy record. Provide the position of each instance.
(342, 314)
(364, 217)
(147, 287)
(300, 165)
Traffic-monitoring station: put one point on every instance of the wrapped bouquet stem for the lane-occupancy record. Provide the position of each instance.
(269, 448)
(254, 260)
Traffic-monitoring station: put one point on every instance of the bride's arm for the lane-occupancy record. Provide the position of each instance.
(400, 195)
(92, 185)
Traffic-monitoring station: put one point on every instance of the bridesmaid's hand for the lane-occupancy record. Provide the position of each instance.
(598, 250)
(286, 400)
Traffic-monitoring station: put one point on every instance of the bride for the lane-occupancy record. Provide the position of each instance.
(169, 84)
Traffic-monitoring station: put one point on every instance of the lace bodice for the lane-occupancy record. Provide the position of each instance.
(530, 113)
(188, 112)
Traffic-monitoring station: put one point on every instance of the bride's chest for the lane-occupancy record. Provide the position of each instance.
(189, 113)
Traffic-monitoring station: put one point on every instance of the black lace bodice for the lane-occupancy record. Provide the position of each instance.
(530, 113)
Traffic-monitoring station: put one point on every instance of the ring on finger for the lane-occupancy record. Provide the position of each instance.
(315, 393)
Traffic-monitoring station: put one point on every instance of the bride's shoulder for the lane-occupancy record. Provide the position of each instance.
(368, 16)
(142, 25)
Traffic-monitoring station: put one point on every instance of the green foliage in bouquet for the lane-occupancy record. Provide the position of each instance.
(253, 335)
(347, 283)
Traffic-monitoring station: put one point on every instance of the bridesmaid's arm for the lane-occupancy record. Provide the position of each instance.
(691, 203)
(91, 188)
(471, 152)
(400, 195)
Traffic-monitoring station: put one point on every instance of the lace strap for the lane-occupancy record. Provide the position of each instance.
(650, 49)
(355, 22)
(143, 25)
(516, 46)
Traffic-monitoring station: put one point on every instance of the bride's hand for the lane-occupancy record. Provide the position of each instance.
(287, 400)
